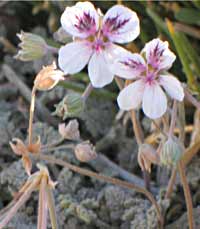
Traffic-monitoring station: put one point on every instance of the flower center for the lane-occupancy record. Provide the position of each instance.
(150, 77)
(98, 41)
(98, 44)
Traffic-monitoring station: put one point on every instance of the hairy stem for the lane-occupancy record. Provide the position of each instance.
(171, 184)
(136, 128)
(53, 144)
(31, 114)
(191, 99)
(187, 194)
(87, 92)
(173, 119)
(52, 210)
(191, 152)
(104, 178)
(52, 49)
(187, 157)
(42, 207)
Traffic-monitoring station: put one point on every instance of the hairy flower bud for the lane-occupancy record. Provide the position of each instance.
(71, 106)
(32, 47)
(85, 152)
(48, 77)
(171, 152)
(69, 131)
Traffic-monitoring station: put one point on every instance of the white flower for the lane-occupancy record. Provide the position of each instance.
(93, 39)
(150, 77)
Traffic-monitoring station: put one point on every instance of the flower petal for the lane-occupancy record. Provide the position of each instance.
(99, 69)
(80, 20)
(128, 65)
(172, 86)
(158, 54)
(131, 96)
(73, 57)
(154, 101)
(121, 24)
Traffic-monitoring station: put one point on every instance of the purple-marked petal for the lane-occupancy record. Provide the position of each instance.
(99, 70)
(131, 96)
(154, 102)
(80, 20)
(172, 86)
(73, 57)
(158, 54)
(129, 65)
(121, 24)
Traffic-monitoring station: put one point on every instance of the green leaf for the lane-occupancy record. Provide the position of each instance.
(157, 20)
(102, 93)
(191, 53)
(188, 15)
(182, 53)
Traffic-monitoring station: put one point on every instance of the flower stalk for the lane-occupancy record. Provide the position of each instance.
(188, 198)
(52, 210)
(173, 119)
(31, 115)
(87, 92)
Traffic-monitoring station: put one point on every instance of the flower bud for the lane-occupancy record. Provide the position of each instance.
(32, 47)
(61, 36)
(85, 152)
(48, 77)
(43, 172)
(70, 131)
(72, 105)
(171, 152)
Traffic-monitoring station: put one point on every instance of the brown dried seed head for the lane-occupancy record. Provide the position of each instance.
(35, 147)
(85, 152)
(146, 156)
(45, 173)
(48, 77)
(18, 146)
(27, 164)
(70, 131)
